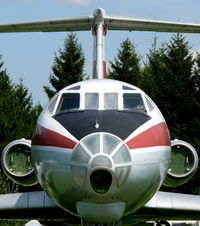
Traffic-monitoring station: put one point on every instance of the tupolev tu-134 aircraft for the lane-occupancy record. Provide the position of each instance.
(101, 148)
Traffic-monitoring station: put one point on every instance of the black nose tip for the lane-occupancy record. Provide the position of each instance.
(101, 181)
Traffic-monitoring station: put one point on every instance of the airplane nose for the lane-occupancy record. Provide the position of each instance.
(101, 161)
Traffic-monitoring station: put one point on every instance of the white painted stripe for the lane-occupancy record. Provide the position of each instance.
(51, 149)
(50, 123)
(149, 149)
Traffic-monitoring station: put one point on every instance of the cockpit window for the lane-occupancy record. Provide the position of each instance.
(133, 101)
(69, 101)
(110, 101)
(52, 103)
(127, 88)
(149, 104)
(91, 101)
(75, 88)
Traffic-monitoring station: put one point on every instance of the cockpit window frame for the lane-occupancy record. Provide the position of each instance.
(57, 111)
(101, 100)
(132, 109)
(150, 104)
(53, 104)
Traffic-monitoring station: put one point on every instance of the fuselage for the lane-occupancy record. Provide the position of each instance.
(101, 142)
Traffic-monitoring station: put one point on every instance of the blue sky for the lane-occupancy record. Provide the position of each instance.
(30, 55)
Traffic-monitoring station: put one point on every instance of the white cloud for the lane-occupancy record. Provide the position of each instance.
(74, 2)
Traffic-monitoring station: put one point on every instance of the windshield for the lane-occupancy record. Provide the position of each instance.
(133, 101)
(91, 101)
(110, 101)
(69, 101)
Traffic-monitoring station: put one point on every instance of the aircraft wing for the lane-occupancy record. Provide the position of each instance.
(33, 205)
(167, 206)
(112, 23)
(37, 205)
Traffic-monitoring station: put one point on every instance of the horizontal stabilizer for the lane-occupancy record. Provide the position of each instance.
(76, 24)
(130, 24)
(111, 23)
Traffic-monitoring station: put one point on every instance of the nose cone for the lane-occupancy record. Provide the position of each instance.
(100, 162)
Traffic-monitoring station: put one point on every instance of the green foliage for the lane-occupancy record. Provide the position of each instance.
(6, 185)
(17, 115)
(17, 118)
(153, 71)
(126, 66)
(13, 222)
(175, 89)
(68, 66)
(172, 78)
(171, 71)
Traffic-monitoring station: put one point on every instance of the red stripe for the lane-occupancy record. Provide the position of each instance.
(104, 29)
(46, 137)
(155, 136)
(94, 29)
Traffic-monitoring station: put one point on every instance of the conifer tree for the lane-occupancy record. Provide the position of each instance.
(6, 90)
(170, 70)
(6, 106)
(18, 115)
(126, 67)
(153, 70)
(178, 86)
(68, 66)
(17, 118)
(196, 110)
(26, 112)
(174, 88)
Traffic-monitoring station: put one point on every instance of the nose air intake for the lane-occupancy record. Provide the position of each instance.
(101, 181)
(101, 162)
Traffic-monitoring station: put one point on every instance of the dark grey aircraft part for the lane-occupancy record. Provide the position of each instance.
(119, 123)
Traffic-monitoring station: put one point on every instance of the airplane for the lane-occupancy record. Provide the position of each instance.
(101, 148)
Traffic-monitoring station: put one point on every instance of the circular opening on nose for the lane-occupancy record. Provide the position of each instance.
(101, 181)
